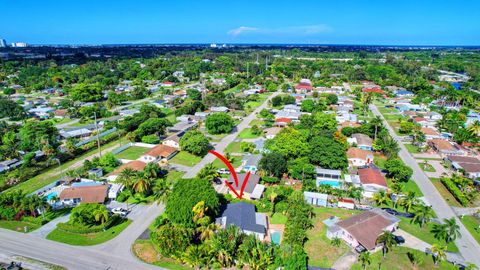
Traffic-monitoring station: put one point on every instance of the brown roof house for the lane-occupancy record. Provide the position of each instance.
(362, 141)
(358, 157)
(173, 140)
(445, 148)
(157, 153)
(372, 181)
(84, 194)
(430, 133)
(470, 166)
(135, 165)
(362, 230)
(253, 190)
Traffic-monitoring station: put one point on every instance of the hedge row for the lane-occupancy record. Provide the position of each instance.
(80, 229)
(35, 220)
(456, 192)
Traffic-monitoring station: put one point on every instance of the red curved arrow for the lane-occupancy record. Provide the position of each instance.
(234, 174)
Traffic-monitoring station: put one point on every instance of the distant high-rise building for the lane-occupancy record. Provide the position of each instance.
(19, 45)
(3, 43)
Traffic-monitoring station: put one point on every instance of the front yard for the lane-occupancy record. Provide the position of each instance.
(185, 158)
(18, 226)
(398, 258)
(472, 224)
(445, 193)
(146, 252)
(247, 134)
(424, 233)
(426, 167)
(89, 239)
(320, 251)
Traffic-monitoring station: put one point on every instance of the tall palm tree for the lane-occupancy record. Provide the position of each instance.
(273, 196)
(453, 230)
(440, 231)
(126, 177)
(474, 128)
(376, 122)
(438, 253)
(365, 259)
(409, 201)
(208, 172)
(151, 171)
(423, 214)
(141, 184)
(101, 215)
(161, 189)
(381, 198)
(387, 239)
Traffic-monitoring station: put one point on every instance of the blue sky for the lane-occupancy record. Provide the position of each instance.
(388, 22)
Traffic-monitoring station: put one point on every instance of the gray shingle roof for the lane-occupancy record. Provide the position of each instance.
(242, 215)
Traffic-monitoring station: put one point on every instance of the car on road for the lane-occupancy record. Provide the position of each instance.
(223, 171)
(120, 211)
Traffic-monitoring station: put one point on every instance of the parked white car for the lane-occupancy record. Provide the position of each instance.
(120, 211)
(223, 171)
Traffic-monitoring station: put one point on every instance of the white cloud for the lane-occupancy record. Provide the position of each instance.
(305, 30)
(242, 30)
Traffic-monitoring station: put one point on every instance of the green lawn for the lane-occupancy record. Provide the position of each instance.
(411, 148)
(18, 226)
(257, 122)
(449, 198)
(379, 160)
(237, 161)
(278, 218)
(55, 172)
(426, 167)
(397, 258)
(424, 233)
(321, 252)
(233, 147)
(185, 158)
(217, 137)
(132, 152)
(173, 176)
(87, 239)
(247, 134)
(146, 252)
(473, 226)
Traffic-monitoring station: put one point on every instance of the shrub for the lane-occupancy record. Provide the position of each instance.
(456, 192)
(35, 220)
(152, 139)
(7, 213)
(270, 180)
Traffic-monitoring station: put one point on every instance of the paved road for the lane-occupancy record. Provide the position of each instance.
(115, 254)
(220, 146)
(468, 246)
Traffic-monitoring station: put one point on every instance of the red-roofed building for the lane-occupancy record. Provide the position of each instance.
(305, 85)
(373, 90)
(346, 203)
(282, 122)
(421, 121)
(372, 181)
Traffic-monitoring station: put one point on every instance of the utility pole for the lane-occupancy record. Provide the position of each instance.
(98, 135)
(247, 71)
(266, 63)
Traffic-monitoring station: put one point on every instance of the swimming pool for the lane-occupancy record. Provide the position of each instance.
(51, 195)
(330, 183)
(275, 236)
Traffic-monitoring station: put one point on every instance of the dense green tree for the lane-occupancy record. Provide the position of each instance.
(9, 108)
(88, 214)
(308, 105)
(195, 142)
(194, 94)
(328, 153)
(34, 135)
(273, 163)
(398, 170)
(301, 168)
(179, 206)
(172, 240)
(86, 92)
(155, 126)
(218, 123)
(289, 142)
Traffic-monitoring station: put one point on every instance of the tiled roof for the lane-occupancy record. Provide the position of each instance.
(443, 145)
(366, 227)
(87, 194)
(135, 165)
(430, 131)
(371, 176)
(161, 150)
(250, 186)
(354, 152)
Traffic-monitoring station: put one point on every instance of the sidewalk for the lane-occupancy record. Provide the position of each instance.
(43, 231)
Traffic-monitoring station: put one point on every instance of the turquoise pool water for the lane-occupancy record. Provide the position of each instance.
(276, 236)
(330, 183)
(51, 195)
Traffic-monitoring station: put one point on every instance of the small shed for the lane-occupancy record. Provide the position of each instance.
(314, 198)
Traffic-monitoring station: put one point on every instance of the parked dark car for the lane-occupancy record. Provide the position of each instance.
(399, 239)
(396, 213)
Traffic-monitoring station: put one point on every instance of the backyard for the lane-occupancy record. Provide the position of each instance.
(132, 153)
(320, 251)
